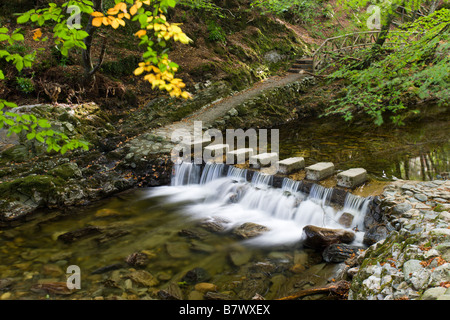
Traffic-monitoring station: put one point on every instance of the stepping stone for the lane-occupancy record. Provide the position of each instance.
(263, 160)
(217, 150)
(239, 156)
(290, 165)
(319, 171)
(352, 177)
(197, 144)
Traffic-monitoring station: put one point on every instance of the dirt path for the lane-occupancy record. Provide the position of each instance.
(218, 109)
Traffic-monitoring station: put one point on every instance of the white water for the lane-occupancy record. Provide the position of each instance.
(213, 195)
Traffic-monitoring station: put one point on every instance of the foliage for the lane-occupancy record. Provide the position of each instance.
(39, 129)
(25, 84)
(204, 6)
(68, 34)
(416, 72)
(157, 66)
(304, 10)
(215, 32)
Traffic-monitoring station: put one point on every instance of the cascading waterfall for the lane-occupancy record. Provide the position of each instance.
(237, 174)
(356, 206)
(320, 194)
(185, 173)
(212, 171)
(261, 180)
(212, 194)
(290, 185)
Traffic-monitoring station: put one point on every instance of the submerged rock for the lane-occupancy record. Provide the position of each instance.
(144, 278)
(137, 259)
(196, 275)
(249, 230)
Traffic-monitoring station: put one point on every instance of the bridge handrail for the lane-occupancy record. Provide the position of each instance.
(355, 45)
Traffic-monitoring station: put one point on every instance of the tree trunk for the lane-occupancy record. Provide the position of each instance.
(89, 68)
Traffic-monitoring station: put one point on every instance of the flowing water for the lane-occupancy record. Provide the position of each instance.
(164, 223)
(171, 225)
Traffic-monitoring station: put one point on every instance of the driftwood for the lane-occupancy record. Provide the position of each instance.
(339, 288)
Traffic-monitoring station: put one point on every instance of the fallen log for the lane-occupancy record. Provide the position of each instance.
(339, 288)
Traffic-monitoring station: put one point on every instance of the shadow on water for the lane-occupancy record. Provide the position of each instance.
(417, 151)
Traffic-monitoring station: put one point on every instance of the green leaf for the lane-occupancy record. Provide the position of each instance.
(4, 37)
(43, 123)
(17, 37)
(23, 18)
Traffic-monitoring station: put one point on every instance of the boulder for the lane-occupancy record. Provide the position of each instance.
(249, 230)
(339, 252)
(376, 233)
(320, 238)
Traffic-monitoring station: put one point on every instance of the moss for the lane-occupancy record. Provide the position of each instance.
(17, 153)
(44, 184)
(66, 171)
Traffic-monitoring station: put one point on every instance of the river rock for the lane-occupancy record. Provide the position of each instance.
(401, 208)
(320, 238)
(205, 287)
(376, 233)
(339, 252)
(239, 258)
(5, 283)
(59, 288)
(178, 249)
(144, 278)
(108, 268)
(173, 292)
(196, 275)
(137, 259)
(72, 236)
(346, 219)
(249, 230)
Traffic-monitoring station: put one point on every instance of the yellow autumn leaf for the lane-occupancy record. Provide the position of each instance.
(186, 95)
(121, 6)
(97, 22)
(141, 33)
(133, 10)
(112, 11)
(138, 71)
(37, 34)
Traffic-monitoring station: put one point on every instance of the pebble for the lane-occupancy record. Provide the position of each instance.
(5, 296)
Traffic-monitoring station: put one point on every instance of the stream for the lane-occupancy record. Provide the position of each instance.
(187, 230)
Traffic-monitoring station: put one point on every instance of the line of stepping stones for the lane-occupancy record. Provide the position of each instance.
(316, 172)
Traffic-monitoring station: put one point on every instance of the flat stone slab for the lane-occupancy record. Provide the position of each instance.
(290, 165)
(319, 171)
(197, 144)
(352, 177)
(263, 160)
(217, 150)
(239, 156)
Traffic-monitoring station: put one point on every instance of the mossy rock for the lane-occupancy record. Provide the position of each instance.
(17, 153)
(44, 184)
(66, 171)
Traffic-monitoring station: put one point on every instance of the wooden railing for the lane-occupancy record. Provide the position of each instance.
(354, 41)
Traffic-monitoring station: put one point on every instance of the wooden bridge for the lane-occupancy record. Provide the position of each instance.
(348, 43)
